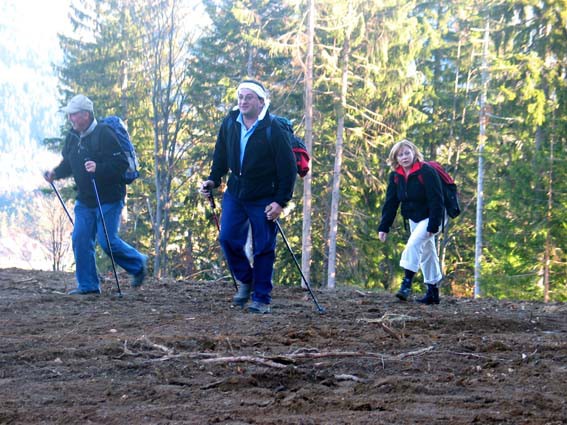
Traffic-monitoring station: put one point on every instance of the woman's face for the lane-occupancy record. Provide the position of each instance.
(405, 157)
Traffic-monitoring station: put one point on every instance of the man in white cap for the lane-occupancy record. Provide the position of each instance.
(262, 177)
(93, 150)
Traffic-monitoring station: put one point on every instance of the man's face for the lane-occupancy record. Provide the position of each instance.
(80, 120)
(249, 104)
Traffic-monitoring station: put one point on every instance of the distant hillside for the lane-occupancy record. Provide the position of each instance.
(28, 222)
(28, 89)
(19, 250)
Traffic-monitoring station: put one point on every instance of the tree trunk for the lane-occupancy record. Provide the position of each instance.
(335, 191)
(306, 244)
(480, 177)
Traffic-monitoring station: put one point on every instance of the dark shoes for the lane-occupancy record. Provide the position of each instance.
(405, 290)
(243, 295)
(431, 296)
(138, 279)
(259, 308)
(82, 292)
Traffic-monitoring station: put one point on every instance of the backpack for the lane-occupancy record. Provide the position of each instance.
(448, 186)
(298, 147)
(450, 192)
(119, 128)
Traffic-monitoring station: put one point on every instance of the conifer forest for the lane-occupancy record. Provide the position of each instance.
(480, 87)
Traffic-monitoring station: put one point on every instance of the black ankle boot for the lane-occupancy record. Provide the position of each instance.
(405, 290)
(431, 296)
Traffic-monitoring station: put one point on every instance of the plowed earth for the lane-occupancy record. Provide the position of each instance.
(176, 353)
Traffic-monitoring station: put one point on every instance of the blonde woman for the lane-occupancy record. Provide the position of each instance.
(417, 187)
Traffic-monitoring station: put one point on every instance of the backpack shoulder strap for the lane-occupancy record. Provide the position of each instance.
(269, 133)
(444, 175)
(269, 128)
(94, 146)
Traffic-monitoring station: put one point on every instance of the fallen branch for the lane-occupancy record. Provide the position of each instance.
(246, 359)
(296, 356)
(281, 360)
(419, 352)
(27, 280)
(390, 331)
(163, 348)
(387, 317)
(477, 356)
(345, 377)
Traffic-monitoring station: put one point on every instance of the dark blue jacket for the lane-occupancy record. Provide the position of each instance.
(102, 147)
(420, 194)
(269, 167)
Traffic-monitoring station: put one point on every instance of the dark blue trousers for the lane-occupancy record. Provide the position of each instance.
(236, 217)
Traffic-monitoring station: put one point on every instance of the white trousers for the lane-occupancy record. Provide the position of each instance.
(421, 252)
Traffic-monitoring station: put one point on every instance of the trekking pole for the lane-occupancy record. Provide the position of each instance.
(215, 217)
(62, 203)
(321, 309)
(106, 234)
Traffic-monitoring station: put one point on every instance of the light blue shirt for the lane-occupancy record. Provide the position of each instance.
(244, 135)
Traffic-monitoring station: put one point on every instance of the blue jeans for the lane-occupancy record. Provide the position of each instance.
(236, 217)
(88, 229)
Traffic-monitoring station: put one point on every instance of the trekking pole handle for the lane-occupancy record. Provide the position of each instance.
(211, 199)
(93, 168)
(207, 191)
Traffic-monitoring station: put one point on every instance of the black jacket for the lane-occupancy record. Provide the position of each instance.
(421, 197)
(269, 168)
(102, 147)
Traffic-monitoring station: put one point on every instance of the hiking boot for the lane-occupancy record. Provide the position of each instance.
(243, 295)
(405, 290)
(259, 308)
(431, 296)
(138, 279)
(83, 292)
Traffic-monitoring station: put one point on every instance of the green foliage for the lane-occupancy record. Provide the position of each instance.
(413, 71)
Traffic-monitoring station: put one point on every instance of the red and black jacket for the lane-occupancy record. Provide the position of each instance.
(420, 194)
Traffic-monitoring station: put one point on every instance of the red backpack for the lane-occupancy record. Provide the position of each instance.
(298, 147)
(450, 192)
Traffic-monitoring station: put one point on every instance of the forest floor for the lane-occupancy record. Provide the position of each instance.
(176, 353)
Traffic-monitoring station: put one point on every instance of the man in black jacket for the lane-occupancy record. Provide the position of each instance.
(262, 177)
(93, 150)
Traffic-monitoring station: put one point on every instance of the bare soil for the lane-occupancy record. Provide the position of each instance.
(175, 352)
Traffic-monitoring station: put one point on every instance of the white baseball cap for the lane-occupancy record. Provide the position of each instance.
(78, 103)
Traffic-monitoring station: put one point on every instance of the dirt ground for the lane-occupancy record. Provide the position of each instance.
(177, 353)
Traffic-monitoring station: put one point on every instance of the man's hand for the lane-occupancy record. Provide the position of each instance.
(90, 166)
(273, 211)
(206, 188)
(49, 176)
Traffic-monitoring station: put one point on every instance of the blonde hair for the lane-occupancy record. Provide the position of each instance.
(405, 143)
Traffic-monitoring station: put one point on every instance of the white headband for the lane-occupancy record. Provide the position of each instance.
(255, 88)
(260, 92)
